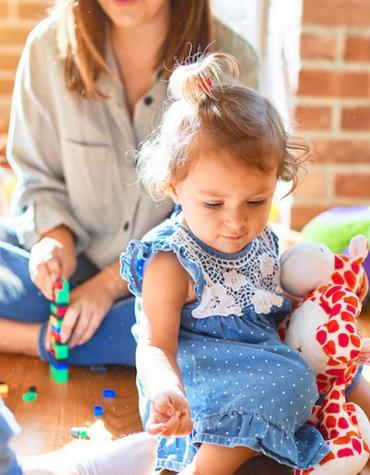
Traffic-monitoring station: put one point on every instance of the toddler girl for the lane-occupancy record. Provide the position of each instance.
(215, 381)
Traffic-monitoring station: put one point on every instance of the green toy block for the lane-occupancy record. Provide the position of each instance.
(59, 375)
(83, 434)
(29, 396)
(60, 351)
(62, 294)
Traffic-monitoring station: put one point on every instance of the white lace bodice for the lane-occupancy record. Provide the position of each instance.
(233, 283)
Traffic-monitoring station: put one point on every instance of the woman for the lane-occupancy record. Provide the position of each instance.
(90, 87)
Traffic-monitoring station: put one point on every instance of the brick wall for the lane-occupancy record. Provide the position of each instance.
(17, 17)
(333, 105)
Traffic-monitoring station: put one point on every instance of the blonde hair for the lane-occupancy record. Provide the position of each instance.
(212, 109)
(81, 37)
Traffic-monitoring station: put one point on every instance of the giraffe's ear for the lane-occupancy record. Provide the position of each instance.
(358, 247)
(364, 357)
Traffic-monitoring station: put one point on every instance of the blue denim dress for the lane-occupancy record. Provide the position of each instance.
(245, 386)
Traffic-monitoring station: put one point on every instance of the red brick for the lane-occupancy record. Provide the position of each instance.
(334, 83)
(9, 61)
(4, 117)
(337, 12)
(357, 48)
(6, 86)
(356, 118)
(302, 214)
(3, 9)
(318, 46)
(353, 186)
(34, 11)
(13, 35)
(343, 151)
(313, 117)
(313, 184)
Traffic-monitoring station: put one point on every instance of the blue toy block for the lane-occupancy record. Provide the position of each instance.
(98, 411)
(109, 393)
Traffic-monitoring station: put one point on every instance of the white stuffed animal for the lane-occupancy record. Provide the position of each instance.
(323, 330)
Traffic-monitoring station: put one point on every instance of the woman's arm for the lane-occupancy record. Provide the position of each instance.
(165, 291)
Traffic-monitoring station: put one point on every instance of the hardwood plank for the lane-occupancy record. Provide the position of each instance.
(46, 422)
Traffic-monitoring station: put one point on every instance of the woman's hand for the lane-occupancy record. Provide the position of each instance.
(89, 303)
(170, 414)
(50, 260)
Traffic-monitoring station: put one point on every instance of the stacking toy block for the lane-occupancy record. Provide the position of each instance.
(61, 292)
(58, 310)
(58, 375)
(4, 388)
(29, 396)
(109, 393)
(60, 351)
(98, 411)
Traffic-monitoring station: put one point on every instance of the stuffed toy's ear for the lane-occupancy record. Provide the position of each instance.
(364, 357)
(358, 247)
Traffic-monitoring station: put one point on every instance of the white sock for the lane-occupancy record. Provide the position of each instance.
(135, 454)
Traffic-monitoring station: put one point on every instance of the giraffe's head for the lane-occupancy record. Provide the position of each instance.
(348, 270)
(308, 266)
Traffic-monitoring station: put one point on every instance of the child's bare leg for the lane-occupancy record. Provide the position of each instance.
(19, 337)
(218, 460)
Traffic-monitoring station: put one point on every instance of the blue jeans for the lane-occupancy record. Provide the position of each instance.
(21, 300)
(8, 427)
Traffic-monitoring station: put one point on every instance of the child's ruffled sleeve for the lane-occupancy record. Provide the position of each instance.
(132, 264)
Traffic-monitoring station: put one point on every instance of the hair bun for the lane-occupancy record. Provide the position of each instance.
(203, 77)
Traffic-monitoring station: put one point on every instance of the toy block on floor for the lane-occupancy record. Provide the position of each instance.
(4, 388)
(59, 352)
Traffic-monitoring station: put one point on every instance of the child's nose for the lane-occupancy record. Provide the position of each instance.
(236, 220)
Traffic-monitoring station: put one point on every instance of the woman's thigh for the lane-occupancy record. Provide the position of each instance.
(19, 297)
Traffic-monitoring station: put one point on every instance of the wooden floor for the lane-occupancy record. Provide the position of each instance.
(46, 422)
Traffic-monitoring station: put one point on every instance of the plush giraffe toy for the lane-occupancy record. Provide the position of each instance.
(323, 330)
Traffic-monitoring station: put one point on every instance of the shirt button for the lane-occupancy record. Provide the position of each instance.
(126, 226)
(148, 100)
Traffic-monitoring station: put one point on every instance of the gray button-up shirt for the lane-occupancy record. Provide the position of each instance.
(75, 159)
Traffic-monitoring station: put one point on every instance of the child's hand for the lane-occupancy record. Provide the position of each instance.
(169, 415)
(49, 260)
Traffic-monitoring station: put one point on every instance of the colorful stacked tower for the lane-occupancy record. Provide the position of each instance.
(58, 354)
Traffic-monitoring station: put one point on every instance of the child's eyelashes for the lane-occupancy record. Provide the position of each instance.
(256, 203)
(212, 205)
(249, 203)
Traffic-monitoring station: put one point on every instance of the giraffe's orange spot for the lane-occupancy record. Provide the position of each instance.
(343, 340)
(356, 341)
(333, 434)
(330, 347)
(355, 267)
(327, 458)
(354, 354)
(351, 300)
(347, 317)
(332, 326)
(338, 296)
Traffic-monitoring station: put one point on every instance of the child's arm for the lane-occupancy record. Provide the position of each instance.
(165, 290)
